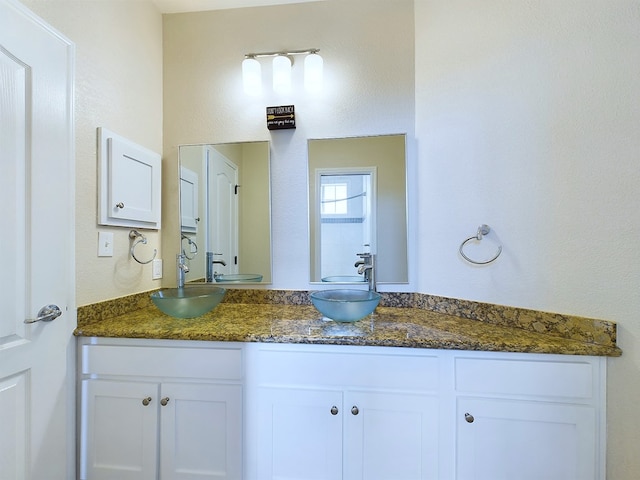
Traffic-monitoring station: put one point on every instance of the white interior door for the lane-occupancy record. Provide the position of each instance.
(36, 248)
(223, 209)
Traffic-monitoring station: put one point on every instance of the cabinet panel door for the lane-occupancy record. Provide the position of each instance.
(508, 439)
(390, 436)
(201, 432)
(129, 183)
(299, 437)
(118, 437)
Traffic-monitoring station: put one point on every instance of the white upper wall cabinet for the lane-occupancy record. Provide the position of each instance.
(129, 183)
(189, 200)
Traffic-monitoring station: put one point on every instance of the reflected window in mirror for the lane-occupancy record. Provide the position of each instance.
(357, 204)
(346, 220)
(225, 212)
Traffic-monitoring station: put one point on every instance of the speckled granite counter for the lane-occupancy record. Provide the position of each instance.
(401, 320)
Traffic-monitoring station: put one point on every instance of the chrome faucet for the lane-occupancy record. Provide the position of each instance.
(366, 265)
(181, 269)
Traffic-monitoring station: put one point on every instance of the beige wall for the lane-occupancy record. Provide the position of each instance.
(255, 211)
(527, 119)
(118, 86)
(368, 52)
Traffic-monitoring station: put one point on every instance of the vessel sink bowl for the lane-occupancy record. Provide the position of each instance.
(239, 278)
(343, 279)
(188, 302)
(345, 305)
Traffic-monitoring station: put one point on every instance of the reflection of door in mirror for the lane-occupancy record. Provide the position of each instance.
(345, 220)
(222, 245)
(226, 187)
(193, 164)
(333, 244)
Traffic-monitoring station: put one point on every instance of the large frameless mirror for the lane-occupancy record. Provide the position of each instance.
(358, 204)
(225, 212)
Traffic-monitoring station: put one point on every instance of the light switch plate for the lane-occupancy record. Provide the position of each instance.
(156, 273)
(105, 244)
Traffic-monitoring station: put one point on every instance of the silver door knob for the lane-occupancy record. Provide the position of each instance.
(164, 401)
(354, 410)
(120, 205)
(334, 410)
(46, 314)
(146, 401)
(469, 418)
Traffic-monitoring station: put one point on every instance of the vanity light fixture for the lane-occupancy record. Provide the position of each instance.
(282, 62)
(251, 76)
(281, 74)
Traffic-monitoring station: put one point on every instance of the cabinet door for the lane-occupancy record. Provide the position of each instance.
(130, 182)
(119, 429)
(502, 439)
(300, 434)
(201, 432)
(390, 436)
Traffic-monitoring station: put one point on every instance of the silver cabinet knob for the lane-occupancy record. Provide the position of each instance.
(469, 418)
(46, 314)
(354, 410)
(164, 401)
(146, 401)
(120, 205)
(334, 410)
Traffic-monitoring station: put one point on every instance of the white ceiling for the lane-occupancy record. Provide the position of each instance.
(177, 6)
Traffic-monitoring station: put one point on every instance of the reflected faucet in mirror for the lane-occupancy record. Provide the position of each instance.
(222, 219)
(213, 275)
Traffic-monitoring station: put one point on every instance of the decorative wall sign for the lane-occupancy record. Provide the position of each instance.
(279, 118)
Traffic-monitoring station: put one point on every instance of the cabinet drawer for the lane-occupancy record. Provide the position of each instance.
(522, 377)
(355, 368)
(219, 364)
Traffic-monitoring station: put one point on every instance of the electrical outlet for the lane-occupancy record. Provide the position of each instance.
(156, 265)
(105, 244)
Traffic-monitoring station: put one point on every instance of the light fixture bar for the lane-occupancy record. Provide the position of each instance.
(282, 52)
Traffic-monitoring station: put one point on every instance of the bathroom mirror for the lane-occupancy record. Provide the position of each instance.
(358, 204)
(225, 212)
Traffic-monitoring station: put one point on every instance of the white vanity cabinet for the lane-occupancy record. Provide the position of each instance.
(528, 417)
(160, 410)
(176, 410)
(326, 412)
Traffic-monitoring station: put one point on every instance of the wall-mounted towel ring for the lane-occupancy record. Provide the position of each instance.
(482, 230)
(190, 242)
(139, 238)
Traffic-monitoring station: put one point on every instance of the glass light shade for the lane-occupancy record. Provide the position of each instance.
(313, 64)
(282, 74)
(251, 76)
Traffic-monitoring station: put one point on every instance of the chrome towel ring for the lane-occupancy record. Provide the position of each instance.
(482, 230)
(138, 238)
(192, 243)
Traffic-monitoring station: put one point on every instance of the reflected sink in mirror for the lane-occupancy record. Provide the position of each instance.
(345, 305)
(343, 279)
(238, 278)
(188, 302)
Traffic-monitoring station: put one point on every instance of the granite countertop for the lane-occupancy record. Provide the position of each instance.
(389, 326)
